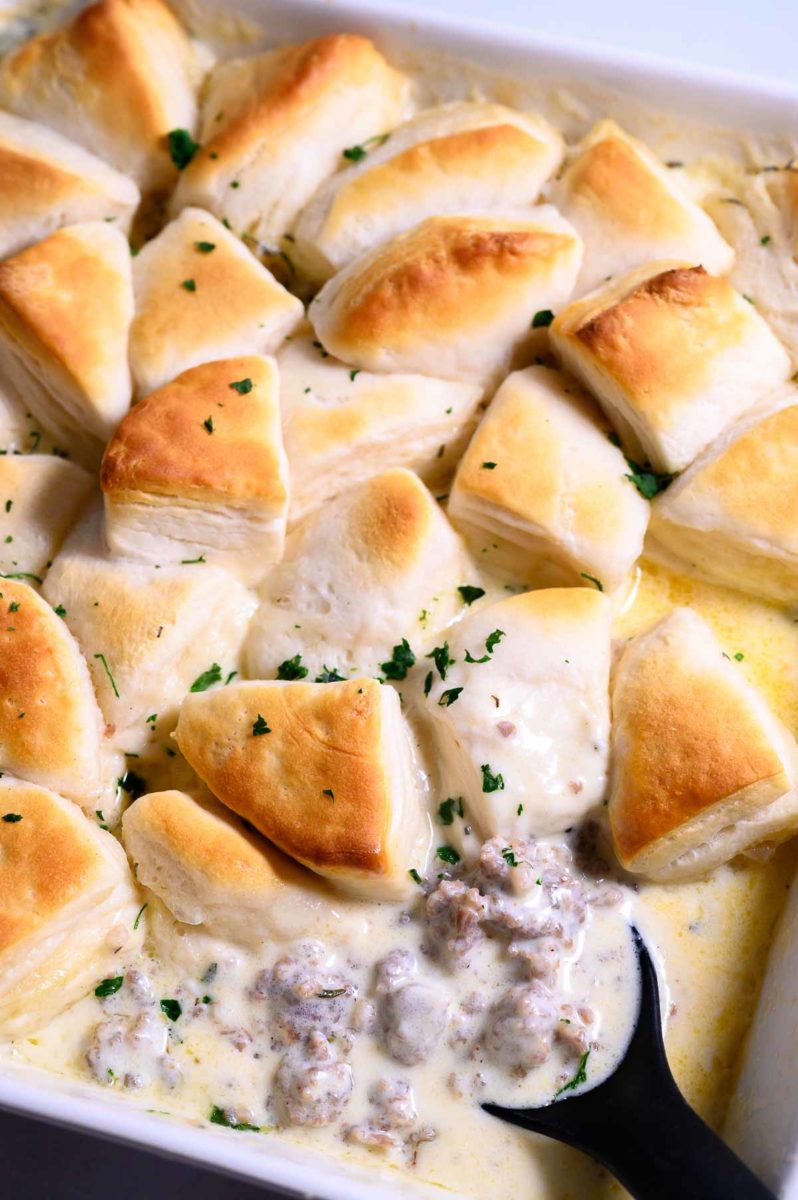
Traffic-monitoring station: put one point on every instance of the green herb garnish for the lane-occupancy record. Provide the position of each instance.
(189, 285)
(217, 1117)
(107, 670)
(401, 660)
(207, 678)
(491, 782)
(442, 658)
(542, 319)
(579, 1077)
(292, 668)
(329, 675)
(259, 726)
(205, 247)
(448, 854)
(449, 697)
(448, 808)
(109, 987)
(171, 1009)
(242, 386)
(593, 580)
(182, 147)
(470, 594)
(12, 818)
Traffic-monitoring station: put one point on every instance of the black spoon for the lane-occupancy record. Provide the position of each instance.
(638, 1124)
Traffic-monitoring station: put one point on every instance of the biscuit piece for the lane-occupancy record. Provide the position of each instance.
(434, 164)
(378, 564)
(329, 779)
(275, 125)
(209, 870)
(521, 716)
(47, 181)
(455, 297)
(200, 296)
(66, 903)
(65, 311)
(673, 355)
(148, 635)
(40, 498)
(341, 426)
(51, 731)
(732, 517)
(628, 209)
(701, 768)
(542, 477)
(117, 79)
(198, 468)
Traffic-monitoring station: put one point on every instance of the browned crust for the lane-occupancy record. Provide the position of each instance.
(46, 861)
(325, 738)
(163, 446)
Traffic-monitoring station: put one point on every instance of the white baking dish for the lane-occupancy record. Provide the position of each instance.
(579, 81)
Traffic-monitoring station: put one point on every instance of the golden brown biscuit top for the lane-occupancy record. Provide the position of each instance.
(211, 433)
(43, 691)
(447, 273)
(230, 857)
(391, 521)
(298, 80)
(755, 480)
(659, 341)
(611, 178)
(101, 57)
(62, 297)
(316, 784)
(685, 743)
(46, 860)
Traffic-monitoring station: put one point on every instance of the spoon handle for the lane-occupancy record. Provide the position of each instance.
(661, 1149)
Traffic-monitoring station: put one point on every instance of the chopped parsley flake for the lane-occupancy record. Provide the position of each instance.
(139, 915)
(242, 386)
(13, 606)
(491, 642)
(12, 818)
(205, 247)
(353, 374)
(171, 1009)
(489, 466)
(401, 660)
(182, 147)
(259, 726)
(292, 668)
(356, 153)
(448, 808)
(187, 562)
(648, 482)
(542, 319)
(579, 1077)
(470, 594)
(519, 810)
(592, 578)
(207, 678)
(219, 1117)
(763, 241)
(107, 670)
(151, 719)
(59, 610)
(329, 792)
(414, 875)
(448, 854)
(8, 505)
(109, 987)
(509, 857)
(329, 675)
(739, 656)
(449, 697)
(428, 683)
(491, 782)
(442, 658)
(208, 424)
(189, 285)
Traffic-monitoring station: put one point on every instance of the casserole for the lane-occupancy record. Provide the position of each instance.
(702, 100)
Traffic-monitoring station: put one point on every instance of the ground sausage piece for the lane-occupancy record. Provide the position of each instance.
(454, 912)
(313, 1085)
(396, 968)
(412, 1020)
(521, 1027)
(127, 1049)
(304, 994)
